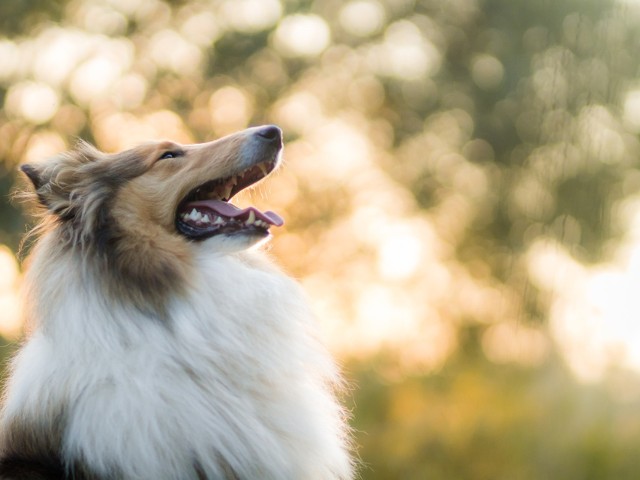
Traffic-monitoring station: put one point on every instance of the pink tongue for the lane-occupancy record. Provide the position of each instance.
(226, 209)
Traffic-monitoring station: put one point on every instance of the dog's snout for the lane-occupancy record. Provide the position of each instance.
(270, 133)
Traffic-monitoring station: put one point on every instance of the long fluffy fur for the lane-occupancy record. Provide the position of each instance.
(153, 357)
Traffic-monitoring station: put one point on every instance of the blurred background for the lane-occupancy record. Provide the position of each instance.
(461, 189)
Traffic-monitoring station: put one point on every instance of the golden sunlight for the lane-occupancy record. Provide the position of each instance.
(595, 310)
(302, 35)
(10, 311)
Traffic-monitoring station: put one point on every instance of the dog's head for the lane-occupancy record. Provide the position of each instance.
(161, 187)
(145, 211)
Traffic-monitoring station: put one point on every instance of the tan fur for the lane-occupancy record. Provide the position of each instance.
(99, 211)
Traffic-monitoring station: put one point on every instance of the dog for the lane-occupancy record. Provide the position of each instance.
(162, 343)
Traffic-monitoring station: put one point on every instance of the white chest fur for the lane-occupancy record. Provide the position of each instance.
(233, 381)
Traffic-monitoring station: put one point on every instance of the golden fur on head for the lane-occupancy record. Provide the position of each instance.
(119, 210)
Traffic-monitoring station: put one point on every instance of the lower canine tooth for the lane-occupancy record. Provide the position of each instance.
(251, 219)
(263, 169)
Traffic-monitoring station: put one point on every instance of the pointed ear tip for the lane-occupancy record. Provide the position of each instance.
(27, 169)
(31, 172)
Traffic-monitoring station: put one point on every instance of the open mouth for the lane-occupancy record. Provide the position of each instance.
(206, 210)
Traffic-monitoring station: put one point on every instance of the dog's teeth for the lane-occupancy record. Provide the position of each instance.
(251, 219)
(218, 221)
(259, 223)
(227, 193)
(195, 215)
(205, 219)
(263, 169)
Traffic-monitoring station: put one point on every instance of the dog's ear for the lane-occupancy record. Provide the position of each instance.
(66, 183)
(53, 182)
(36, 174)
(32, 174)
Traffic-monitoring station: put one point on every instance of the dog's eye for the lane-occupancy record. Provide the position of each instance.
(170, 154)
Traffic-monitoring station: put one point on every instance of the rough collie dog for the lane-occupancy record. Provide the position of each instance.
(160, 346)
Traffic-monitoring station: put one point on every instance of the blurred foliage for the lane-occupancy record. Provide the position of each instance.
(461, 190)
(472, 420)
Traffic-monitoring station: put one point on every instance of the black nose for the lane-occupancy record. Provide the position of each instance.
(270, 133)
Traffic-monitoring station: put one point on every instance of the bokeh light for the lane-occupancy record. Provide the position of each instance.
(461, 185)
(302, 35)
(10, 309)
(362, 18)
